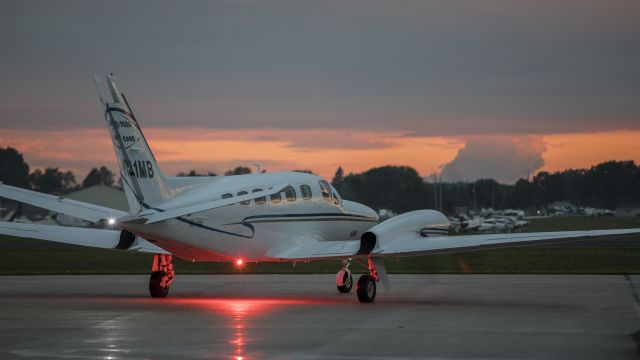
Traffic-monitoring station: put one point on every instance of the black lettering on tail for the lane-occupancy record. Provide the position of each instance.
(142, 169)
(149, 169)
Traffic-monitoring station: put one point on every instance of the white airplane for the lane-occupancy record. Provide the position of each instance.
(248, 218)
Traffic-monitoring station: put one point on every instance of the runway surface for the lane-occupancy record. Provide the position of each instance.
(244, 317)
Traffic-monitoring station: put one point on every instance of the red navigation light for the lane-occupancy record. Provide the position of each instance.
(239, 262)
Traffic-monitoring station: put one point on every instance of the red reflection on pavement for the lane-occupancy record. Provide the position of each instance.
(240, 311)
(240, 308)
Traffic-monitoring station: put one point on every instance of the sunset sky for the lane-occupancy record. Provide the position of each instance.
(466, 89)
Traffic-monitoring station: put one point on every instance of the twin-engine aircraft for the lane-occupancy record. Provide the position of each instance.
(287, 216)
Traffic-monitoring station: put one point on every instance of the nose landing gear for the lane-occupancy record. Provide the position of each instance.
(162, 275)
(344, 280)
(366, 287)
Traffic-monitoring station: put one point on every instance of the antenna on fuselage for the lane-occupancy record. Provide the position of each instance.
(100, 90)
(258, 168)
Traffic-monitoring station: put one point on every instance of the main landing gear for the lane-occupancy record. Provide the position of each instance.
(366, 287)
(162, 275)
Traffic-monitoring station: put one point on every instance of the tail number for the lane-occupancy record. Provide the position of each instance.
(140, 168)
(124, 124)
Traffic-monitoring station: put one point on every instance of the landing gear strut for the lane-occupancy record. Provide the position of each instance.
(344, 280)
(162, 275)
(366, 288)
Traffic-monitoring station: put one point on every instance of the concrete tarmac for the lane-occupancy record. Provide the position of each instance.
(245, 317)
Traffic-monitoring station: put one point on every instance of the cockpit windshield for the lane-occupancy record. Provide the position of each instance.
(325, 188)
(337, 200)
(329, 193)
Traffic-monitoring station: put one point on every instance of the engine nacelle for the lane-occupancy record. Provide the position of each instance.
(421, 222)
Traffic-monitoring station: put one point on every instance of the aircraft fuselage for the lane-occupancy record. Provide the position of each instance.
(249, 230)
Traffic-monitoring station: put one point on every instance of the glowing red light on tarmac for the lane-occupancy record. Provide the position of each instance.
(241, 314)
(239, 262)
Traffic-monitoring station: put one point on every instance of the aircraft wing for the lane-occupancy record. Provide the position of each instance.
(316, 250)
(79, 209)
(98, 238)
(161, 214)
(413, 244)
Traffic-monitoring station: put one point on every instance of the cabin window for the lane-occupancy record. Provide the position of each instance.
(246, 202)
(261, 200)
(226, 196)
(326, 190)
(305, 190)
(290, 193)
(276, 198)
(336, 200)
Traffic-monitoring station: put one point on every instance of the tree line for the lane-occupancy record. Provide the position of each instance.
(401, 189)
(398, 188)
(15, 171)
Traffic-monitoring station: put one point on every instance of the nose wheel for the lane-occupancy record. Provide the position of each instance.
(344, 280)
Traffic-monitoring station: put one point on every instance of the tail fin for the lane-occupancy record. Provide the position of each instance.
(144, 184)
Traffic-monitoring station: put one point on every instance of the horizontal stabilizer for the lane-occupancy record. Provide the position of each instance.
(79, 209)
(98, 238)
(153, 217)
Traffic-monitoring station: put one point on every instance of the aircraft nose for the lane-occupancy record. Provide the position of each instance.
(357, 208)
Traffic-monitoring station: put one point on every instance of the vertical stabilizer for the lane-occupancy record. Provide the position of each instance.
(144, 184)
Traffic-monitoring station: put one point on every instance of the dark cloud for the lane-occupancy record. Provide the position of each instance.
(220, 167)
(319, 139)
(503, 158)
(452, 68)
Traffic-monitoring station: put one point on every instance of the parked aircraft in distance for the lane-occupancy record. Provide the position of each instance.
(287, 216)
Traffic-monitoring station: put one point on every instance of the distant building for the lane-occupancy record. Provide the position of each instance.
(98, 195)
(385, 214)
(461, 210)
(101, 195)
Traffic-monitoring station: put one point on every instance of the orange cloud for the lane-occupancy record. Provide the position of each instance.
(505, 158)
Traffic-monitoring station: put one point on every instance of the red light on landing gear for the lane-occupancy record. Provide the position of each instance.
(239, 262)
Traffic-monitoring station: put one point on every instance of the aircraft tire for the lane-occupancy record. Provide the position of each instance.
(155, 289)
(366, 289)
(347, 281)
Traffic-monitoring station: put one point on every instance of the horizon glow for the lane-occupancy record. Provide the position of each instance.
(322, 151)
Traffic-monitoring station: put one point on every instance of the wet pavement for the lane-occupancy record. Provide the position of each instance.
(243, 317)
